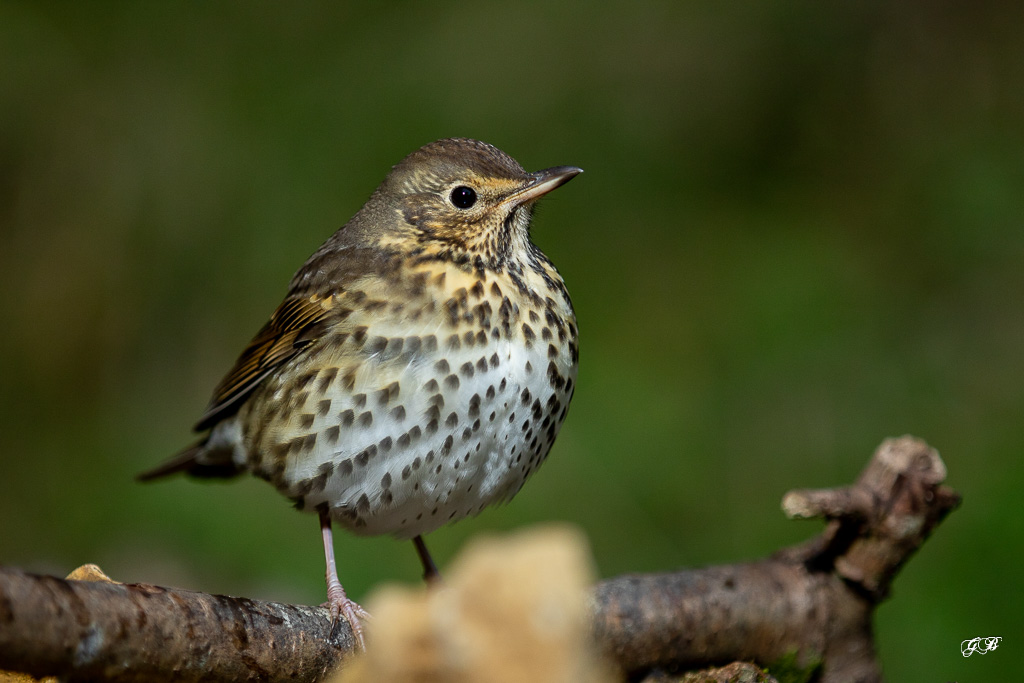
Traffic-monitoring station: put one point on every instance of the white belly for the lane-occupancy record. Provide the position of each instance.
(450, 438)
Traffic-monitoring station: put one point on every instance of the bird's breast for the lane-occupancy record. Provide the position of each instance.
(439, 396)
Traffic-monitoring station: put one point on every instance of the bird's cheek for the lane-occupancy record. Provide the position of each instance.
(412, 216)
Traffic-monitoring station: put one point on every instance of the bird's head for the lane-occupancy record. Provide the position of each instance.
(462, 200)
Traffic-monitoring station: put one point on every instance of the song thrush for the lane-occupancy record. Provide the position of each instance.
(420, 365)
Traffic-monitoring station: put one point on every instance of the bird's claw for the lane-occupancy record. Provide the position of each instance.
(340, 606)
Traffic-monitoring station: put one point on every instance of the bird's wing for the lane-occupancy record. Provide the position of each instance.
(295, 325)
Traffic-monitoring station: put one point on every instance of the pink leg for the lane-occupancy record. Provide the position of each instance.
(337, 601)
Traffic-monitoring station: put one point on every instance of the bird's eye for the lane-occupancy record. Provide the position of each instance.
(463, 197)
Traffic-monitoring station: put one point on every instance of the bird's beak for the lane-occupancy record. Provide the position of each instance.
(543, 182)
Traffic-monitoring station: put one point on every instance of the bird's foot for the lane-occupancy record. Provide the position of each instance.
(340, 606)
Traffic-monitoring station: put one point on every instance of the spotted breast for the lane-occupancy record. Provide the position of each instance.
(445, 392)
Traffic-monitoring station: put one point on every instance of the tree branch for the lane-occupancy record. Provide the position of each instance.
(814, 602)
(810, 606)
(129, 632)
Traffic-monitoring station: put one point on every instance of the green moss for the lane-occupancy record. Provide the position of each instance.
(788, 668)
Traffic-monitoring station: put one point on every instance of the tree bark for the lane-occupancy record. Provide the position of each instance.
(129, 632)
(810, 606)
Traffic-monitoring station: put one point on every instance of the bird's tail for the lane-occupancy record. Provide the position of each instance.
(198, 461)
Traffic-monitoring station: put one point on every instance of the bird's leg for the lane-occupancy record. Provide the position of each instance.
(337, 601)
(430, 573)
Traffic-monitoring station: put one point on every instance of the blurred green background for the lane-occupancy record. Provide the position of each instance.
(799, 232)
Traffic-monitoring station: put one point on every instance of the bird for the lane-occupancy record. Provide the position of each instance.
(419, 368)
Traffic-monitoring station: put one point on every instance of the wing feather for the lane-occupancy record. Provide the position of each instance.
(294, 326)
